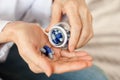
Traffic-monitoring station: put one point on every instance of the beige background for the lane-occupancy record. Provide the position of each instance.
(105, 46)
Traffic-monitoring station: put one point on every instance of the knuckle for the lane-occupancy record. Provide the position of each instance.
(70, 4)
(56, 5)
(84, 10)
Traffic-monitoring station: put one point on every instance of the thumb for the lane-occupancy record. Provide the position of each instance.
(56, 15)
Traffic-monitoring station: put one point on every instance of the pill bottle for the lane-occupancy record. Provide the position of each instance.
(59, 35)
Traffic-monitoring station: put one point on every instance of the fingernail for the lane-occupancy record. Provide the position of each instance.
(47, 30)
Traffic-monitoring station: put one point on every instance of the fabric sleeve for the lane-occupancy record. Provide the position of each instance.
(4, 48)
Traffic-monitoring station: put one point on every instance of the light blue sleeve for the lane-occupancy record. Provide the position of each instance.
(22, 10)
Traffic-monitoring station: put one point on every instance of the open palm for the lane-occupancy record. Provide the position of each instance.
(29, 38)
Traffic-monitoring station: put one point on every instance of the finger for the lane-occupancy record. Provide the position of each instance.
(68, 54)
(76, 26)
(86, 41)
(89, 63)
(77, 54)
(69, 66)
(78, 58)
(87, 58)
(40, 61)
(57, 52)
(87, 31)
(35, 68)
(56, 16)
(83, 37)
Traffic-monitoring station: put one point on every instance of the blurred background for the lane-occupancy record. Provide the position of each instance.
(105, 45)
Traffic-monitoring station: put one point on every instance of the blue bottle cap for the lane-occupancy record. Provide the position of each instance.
(59, 34)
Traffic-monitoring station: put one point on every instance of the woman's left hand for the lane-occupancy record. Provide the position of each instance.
(79, 17)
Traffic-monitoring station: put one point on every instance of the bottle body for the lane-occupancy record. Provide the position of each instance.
(59, 35)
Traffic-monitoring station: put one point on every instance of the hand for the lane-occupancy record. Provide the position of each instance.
(29, 38)
(80, 20)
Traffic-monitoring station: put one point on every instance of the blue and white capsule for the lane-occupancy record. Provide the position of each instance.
(59, 35)
(47, 51)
